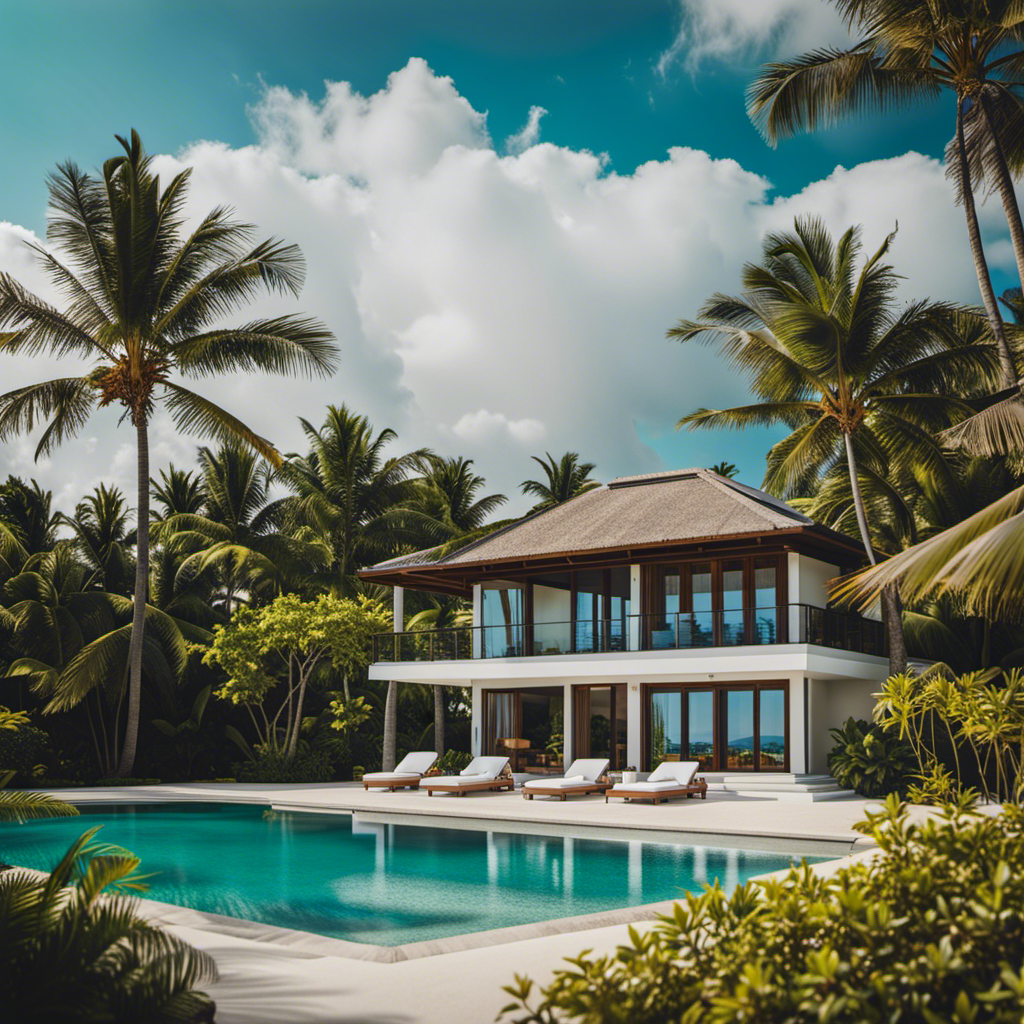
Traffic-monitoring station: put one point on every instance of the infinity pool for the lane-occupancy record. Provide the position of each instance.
(382, 884)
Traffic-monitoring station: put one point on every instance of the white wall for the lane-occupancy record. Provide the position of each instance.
(833, 702)
(551, 604)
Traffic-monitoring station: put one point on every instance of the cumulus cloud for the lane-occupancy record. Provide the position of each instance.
(486, 304)
(720, 30)
(528, 135)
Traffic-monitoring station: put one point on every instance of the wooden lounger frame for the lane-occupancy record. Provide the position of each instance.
(469, 787)
(392, 784)
(565, 791)
(699, 785)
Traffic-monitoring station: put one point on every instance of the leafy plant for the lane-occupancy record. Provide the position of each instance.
(868, 760)
(23, 747)
(186, 731)
(929, 930)
(18, 806)
(273, 766)
(75, 949)
(451, 762)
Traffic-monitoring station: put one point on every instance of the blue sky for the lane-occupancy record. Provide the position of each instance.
(625, 78)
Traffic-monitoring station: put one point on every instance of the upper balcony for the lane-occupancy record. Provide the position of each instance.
(776, 624)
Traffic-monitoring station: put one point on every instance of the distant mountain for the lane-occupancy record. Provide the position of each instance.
(767, 742)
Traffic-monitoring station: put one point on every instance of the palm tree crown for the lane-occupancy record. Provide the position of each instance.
(829, 355)
(566, 478)
(145, 304)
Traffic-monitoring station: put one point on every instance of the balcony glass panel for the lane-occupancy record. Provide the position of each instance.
(552, 612)
(766, 625)
(699, 630)
(502, 625)
(589, 611)
(733, 625)
(619, 610)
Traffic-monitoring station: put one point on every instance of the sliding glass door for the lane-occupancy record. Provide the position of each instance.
(730, 727)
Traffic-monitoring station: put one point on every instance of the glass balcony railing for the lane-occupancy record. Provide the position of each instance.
(776, 624)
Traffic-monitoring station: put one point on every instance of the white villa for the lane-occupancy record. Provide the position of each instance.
(677, 615)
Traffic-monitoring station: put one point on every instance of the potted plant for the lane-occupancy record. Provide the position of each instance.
(629, 774)
(358, 771)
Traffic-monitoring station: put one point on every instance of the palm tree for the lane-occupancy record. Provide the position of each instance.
(100, 526)
(180, 491)
(726, 469)
(567, 478)
(236, 542)
(912, 50)
(28, 511)
(830, 356)
(351, 495)
(145, 303)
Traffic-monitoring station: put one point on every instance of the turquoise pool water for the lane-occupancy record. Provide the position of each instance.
(382, 884)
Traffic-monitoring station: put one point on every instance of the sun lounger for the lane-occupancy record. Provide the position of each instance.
(481, 773)
(407, 774)
(669, 780)
(583, 776)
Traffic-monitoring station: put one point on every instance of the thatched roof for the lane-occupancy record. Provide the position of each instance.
(652, 511)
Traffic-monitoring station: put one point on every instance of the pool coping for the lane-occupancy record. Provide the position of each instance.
(310, 944)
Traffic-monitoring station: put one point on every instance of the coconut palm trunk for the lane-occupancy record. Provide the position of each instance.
(439, 720)
(892, 611)
(390, 750)
(988, 295)
(131, 732)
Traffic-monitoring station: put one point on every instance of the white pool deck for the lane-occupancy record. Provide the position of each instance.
(273, 976)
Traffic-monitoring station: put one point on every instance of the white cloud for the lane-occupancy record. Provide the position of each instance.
(483, 303)
(482, 426)
(719, 30)
(528, 135)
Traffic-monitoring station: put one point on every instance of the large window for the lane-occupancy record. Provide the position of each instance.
(599, 723)
(582, 612)
(720, 603)
(502, 620)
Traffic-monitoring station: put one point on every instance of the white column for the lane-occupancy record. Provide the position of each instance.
(798, 749)
(793, 580)
(566, 725)
(634, 743)
(634, 608)
(478, 620)
(398, 598)
(476, 723)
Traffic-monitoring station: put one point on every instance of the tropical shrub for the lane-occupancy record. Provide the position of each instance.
(273, 766)
(23, 747)
(451, 762)
(74, 948)
(930, 930)
(868, 760)
(971, 724)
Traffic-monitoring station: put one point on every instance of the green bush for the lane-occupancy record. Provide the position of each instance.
(22, 749)
(869, 760)
(931, 930)
(306, 766)
(451, 762)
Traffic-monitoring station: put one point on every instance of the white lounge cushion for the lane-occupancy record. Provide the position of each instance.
(645, 787)
(556, 783)
(397, 775)
(457, 780)
(679, 772)
(591, 768)
(418, 762)
(489, 767)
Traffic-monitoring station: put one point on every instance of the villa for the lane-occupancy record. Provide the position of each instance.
(677, 615)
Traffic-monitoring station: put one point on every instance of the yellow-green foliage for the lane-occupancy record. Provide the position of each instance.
(930, 931)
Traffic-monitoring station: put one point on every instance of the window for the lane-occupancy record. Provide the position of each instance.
(502, 617)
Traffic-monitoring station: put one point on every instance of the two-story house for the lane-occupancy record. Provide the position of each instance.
(672, 615)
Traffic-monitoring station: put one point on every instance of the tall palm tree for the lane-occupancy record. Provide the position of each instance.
(179, 491)
(726, 469)
(567, 478)
(829, 355)
(146, 303)
(911, 50)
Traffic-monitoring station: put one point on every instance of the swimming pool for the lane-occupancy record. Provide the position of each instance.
(381, 884)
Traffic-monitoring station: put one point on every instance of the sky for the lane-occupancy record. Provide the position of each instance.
(503, 205)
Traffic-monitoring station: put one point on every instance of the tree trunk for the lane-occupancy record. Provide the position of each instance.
(131, 731)
(892, 611)
(1008, 195)
(988, 295)
(293, 740)
(389, 755)
(439, 720)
